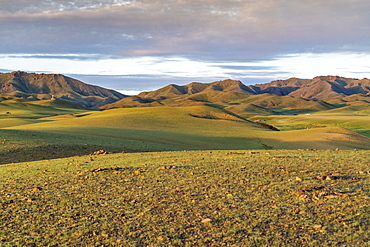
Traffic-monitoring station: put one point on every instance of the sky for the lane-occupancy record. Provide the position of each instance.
(141, 45)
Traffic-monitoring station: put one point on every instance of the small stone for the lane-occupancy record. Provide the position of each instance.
(37, 189)
(207, 220)
(300, 192)
(298, 179)
(318, 226)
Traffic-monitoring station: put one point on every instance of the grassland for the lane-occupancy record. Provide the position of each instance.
(36, 130)
(357, 121)
(177, 197)
(181, 128)
(196, 198)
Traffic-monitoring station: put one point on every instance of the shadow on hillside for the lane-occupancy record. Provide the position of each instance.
(49, 152)
(156, 141)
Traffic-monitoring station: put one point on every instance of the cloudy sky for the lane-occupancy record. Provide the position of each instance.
(146, 44)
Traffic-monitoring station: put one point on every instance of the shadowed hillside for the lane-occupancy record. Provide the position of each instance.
(52, 86)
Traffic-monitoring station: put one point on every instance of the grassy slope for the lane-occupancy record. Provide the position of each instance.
(250, 198)
(144, 130)
(198, 198)
(177, 127)
(33, 131)
(239, 103)
(354, 118)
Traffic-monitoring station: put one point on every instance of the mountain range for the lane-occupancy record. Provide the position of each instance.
(289, 96)
(55, 86)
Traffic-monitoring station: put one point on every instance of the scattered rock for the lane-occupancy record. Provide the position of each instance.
(286, 157)
(100, 152)
(115, 169)
(168, 167)
(335, 176)
(316, 193)
(232, 153)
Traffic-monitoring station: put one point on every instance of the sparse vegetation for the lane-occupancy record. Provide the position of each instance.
(219, 198)
(127, 177)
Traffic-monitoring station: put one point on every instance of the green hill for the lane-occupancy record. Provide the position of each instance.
(160, 129)
(196, 117)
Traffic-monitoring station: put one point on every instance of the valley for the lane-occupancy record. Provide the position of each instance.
(219, 164)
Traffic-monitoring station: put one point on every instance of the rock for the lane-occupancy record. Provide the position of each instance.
(100, 152)
(318, 226)
(321, 177)
(207, 220)
(168, 167)
(37, 189)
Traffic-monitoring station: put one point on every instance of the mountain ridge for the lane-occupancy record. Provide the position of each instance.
(304, 95)
(56, 86)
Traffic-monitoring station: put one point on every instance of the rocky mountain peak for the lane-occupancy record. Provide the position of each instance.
(46, 86)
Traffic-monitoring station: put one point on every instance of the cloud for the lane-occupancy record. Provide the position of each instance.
(227, 30)
(145, 44)
(148, 73)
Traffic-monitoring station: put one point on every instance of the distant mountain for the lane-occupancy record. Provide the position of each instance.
(55, 86)
(320, 87)
(172, 90)
(291, 96)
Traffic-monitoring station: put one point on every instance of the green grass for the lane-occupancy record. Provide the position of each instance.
(197, 198)
(24, 138)
(20, 145)
(355, 121)
(185, 198)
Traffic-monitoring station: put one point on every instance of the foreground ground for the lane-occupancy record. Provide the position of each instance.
(197, 198)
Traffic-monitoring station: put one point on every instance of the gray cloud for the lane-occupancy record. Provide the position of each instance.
(226, 30)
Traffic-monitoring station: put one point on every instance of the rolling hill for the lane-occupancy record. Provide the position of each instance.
(220, 115)
(55, 86)
(291, 96)
(160, 129)
(211, 191)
